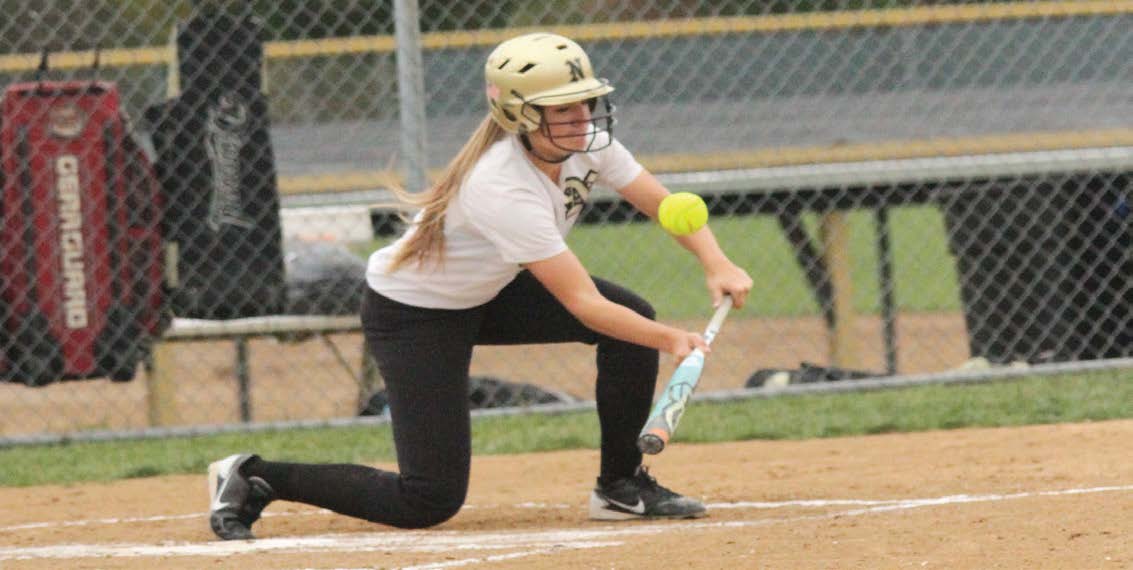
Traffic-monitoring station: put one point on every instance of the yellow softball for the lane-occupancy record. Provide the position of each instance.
(682, 213)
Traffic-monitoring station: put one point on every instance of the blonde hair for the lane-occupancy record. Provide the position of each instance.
(428, 239)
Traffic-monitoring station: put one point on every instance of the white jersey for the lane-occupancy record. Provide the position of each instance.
(507, 212)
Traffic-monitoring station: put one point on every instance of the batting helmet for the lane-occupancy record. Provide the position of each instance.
(538, 70)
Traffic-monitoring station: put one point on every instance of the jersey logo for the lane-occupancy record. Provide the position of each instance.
(576, 192)
(575, 66)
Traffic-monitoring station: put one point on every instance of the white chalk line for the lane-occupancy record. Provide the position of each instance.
(532, 543)
(816, 503)
(480, 560)
(164, 518)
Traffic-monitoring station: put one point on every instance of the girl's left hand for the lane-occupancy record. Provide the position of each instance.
(727, 278)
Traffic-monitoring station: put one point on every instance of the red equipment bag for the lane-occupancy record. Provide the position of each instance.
(81, 250)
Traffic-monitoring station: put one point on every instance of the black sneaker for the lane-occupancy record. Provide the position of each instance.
(640, 497)
(236, 501)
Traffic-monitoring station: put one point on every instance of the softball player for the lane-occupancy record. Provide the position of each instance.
(485, 262)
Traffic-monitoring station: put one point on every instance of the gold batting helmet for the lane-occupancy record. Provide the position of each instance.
(537, 70)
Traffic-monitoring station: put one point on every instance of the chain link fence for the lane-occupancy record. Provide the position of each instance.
(916, 187)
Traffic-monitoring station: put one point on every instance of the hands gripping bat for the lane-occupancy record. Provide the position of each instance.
(670, 406)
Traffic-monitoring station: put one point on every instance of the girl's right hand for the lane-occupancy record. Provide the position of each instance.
(682, 343)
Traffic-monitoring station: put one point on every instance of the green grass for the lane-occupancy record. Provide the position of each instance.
(641, 257)
(1099, 396)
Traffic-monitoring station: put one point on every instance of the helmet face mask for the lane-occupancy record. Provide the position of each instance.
(529, 73)
(601, 120)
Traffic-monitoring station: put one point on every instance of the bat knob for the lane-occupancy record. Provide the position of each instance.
(650, 444)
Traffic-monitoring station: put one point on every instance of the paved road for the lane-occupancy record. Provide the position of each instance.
(799, 121)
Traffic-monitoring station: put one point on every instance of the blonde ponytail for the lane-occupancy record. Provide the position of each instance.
(428, 239)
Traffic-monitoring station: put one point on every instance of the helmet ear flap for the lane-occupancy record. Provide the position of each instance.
(506, 116)
(510, 116)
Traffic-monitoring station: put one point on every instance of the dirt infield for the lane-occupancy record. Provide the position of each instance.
(1058, 496)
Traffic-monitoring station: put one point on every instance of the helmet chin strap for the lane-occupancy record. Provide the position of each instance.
(527, 145)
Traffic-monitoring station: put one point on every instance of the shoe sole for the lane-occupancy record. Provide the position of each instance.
(215, 468)
(214, 476)
(216, 519)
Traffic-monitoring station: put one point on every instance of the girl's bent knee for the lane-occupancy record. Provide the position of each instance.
(428, 517)
(431, 505)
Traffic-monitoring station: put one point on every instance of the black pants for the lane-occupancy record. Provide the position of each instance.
(424, 357)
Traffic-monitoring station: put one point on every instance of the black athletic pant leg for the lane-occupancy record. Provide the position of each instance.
(525, 312)
(423, 356)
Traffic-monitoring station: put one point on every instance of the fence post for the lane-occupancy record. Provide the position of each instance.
(844, 345)
(161, 386)
(410, 92)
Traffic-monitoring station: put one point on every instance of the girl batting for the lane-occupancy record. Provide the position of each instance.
(485, 262)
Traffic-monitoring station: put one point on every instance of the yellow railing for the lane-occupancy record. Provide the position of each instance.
(615, 30)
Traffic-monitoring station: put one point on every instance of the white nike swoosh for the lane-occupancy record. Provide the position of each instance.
(639, 508)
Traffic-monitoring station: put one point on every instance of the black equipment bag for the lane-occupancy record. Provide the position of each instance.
(81, 253)
(217, 168)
